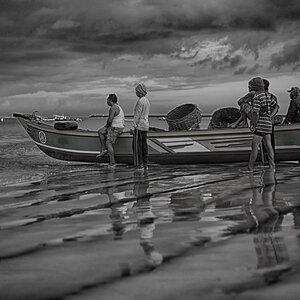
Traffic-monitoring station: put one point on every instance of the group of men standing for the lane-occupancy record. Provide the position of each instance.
(260, 106)
(116, 123)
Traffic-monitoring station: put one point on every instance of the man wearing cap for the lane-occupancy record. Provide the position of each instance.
(140, 128)
(293, 114)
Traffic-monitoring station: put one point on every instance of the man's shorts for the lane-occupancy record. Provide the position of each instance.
(260, 133)
(113, 133)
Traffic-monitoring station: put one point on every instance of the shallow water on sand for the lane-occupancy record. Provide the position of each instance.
(83, 231)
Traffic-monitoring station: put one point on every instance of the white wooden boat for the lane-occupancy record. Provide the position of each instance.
(165, 147)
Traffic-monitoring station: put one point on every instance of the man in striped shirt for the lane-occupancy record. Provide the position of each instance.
(261, 123)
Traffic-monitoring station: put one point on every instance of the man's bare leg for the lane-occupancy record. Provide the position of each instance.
(110, 152)
(254, 152)
(244, 119)
(102, 138)
(270, 151)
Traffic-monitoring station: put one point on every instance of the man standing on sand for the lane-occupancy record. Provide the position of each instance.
(140, 128)
(261, 123)
(113, 128)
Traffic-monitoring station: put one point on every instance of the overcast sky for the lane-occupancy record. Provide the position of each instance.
(66, 56)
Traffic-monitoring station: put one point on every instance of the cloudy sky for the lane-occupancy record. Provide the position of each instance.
(66, 56)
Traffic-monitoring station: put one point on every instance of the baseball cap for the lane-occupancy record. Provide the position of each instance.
(292, 88)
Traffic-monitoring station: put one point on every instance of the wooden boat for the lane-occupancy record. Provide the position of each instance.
(165, 147)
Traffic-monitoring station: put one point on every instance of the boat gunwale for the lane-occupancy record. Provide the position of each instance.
(203, 132)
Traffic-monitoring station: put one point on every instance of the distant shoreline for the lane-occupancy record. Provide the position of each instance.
(150, 116)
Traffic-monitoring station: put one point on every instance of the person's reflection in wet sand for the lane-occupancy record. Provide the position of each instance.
(270, 250)
(118, 209)
(146, 220)
(187, 205)
(117, 219)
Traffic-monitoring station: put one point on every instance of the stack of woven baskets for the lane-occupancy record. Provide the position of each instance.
(184, 117)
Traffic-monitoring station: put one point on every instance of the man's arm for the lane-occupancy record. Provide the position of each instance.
(136, 117)
(255, 114)
(137, 114)
(246, 99)
(274, 110)
(253, 121)
(274, 106)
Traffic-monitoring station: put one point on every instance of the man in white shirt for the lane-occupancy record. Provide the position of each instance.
(113, 128)
(140, 128)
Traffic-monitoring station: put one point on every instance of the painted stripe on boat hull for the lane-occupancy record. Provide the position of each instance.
(66, 150)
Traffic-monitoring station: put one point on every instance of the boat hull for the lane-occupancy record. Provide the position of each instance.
(164, 147)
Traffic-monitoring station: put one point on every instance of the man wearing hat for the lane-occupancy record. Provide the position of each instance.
(140, 128)
(293, 114)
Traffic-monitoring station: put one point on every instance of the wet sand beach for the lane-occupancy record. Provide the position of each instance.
(83, 231)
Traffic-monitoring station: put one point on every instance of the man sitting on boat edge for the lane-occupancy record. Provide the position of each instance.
(113, 128)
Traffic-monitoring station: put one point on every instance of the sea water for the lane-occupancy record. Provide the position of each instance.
(73, 230)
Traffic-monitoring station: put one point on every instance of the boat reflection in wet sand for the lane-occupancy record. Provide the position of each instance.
(165, 147)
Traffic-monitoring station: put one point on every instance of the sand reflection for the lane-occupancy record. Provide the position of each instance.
(269, 246)
(136, 214)
(146, 220)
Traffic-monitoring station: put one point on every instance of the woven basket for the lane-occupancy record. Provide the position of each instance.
(223, 117)
(184, 117)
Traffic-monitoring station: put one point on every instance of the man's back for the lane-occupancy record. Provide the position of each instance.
(141, 114)
(262, 106)
(293, 114)
(119, 118)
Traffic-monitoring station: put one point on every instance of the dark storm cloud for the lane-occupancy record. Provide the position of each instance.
(132, 42)
(247, 70)
(227, 62)
(240, 70)
(114, 21)
(250, 42)
(29, 56)
(290, 55)
(144, 27)
(253, 70)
